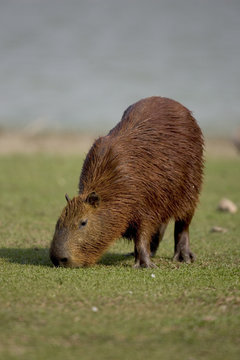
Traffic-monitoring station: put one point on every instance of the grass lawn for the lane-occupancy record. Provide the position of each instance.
(176, 311)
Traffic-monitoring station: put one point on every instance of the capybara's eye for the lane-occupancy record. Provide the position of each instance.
(82, 223)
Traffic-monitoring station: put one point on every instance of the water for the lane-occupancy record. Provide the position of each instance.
(78, 64)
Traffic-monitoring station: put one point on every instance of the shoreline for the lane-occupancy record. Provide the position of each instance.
(67, 143)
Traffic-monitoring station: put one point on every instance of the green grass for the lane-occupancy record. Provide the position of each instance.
(186, 312)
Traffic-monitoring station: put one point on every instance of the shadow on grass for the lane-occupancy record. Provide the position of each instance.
(30, 256)
(114, 258)
(40, 256)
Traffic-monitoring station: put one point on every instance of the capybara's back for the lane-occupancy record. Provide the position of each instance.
(147, 170)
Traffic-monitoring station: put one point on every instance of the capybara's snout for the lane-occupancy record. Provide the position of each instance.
(59, 253)
(59, 261)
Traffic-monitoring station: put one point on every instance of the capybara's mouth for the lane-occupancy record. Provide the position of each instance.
(64, 262)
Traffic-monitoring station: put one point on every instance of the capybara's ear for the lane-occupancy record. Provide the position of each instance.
(93, 199)
(67, 198)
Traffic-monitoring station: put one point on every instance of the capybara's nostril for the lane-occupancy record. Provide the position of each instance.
(54, 260)
(64, 260)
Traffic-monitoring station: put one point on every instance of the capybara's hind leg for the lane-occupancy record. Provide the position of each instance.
(157, 238)
(142, 251)
(181, 236)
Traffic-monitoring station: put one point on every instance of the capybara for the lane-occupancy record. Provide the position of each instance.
(146, 171)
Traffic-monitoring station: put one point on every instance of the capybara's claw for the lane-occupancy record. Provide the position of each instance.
(149, 265)
(187, 257)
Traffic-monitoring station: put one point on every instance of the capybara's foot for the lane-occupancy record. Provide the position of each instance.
(149, 265)
(184, 256)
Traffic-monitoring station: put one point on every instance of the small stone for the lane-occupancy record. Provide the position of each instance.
(130, 292)
(153, 275)
(218, 229)
(94, 309)
(223, 308)
(227, 205)
(209, 318)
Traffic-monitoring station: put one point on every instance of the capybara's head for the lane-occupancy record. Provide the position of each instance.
(78, 229)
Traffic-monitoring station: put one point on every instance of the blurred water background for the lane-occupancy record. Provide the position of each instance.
(74, 64)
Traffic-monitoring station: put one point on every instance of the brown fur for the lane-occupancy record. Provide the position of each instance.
(147, 170)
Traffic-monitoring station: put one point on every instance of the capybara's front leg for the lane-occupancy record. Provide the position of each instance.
(157, 238)
(142, 252)
(181, 236)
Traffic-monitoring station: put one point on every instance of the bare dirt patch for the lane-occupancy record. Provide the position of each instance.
(54, 143)
(23, 142)
(221, 148)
